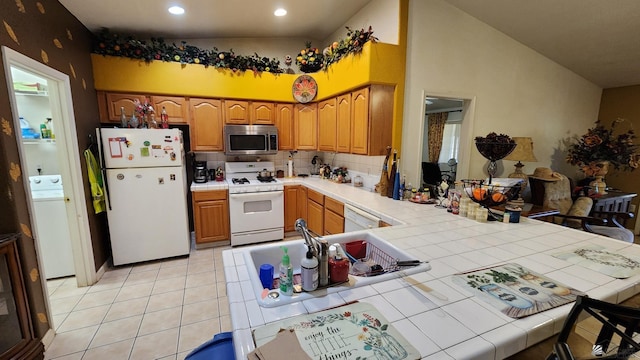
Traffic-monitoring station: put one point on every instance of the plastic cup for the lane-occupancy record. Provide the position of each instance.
(266, 276)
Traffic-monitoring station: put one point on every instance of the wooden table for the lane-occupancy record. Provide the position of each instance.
(533, 211)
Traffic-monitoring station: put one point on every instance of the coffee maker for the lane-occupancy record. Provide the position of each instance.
(200, 172)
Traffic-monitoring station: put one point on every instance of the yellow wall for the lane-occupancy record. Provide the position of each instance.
(378, 63)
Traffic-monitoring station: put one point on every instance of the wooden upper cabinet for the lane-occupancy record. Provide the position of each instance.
(284, 122)
(371, 119)
(110, 103)
(306, 126)
(327, 125)
(236, 112)
(360, 121)
(206, 124)
(262, 113)
(343, 114)
(177, 108)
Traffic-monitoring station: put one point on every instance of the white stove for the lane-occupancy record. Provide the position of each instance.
(256, 205)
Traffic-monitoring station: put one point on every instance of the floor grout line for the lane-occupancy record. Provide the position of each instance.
(213, 258)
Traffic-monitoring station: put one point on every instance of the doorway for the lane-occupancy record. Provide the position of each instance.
(39, 93)
(451, 111)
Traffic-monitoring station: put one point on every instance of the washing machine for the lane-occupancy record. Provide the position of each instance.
(52, 226)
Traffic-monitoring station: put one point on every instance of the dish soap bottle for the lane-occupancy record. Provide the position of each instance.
(338, 265)
(286, 274)
(309, 270)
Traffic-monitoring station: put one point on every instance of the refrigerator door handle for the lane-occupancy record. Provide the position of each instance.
(103, 170)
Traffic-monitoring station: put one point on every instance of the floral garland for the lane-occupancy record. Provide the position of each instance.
(107, 43)
(311, 60)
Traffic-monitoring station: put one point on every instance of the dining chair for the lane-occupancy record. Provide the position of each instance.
(596, 329)
(555, 193)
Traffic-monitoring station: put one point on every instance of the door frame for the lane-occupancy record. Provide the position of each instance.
(63, 116)
(466, 133)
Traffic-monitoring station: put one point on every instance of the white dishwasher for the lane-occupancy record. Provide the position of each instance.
(356, 219)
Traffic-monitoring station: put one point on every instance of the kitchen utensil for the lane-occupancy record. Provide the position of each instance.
(392, 175)
(265, 174)
(357, 181)
(383, 184)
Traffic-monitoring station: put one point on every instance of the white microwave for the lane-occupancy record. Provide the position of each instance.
(250, 140)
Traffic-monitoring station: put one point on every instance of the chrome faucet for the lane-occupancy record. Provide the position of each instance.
(319, 248)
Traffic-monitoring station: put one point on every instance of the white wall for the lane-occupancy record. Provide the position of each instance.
(514, 89)
(382, 15)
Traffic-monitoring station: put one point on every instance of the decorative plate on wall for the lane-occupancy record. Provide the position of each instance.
(304, 89)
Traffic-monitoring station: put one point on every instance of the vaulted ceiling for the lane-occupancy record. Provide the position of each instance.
(596, 39)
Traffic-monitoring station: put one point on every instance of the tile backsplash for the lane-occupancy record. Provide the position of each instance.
(368, 167)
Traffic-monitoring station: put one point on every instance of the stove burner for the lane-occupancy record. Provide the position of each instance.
(240, 180)
(266, 179)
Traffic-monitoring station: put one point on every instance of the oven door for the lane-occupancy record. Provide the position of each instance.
(256, 217)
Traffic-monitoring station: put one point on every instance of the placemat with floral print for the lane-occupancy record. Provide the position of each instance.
(603, 260)
(354, 331)
(515, 290)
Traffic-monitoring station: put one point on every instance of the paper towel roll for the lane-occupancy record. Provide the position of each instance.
(290, 168)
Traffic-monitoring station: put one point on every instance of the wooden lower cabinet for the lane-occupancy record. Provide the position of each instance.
(290, 207)
(211, 217)
(333, 216)
(315, 211)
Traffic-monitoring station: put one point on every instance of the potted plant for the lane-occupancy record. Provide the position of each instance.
(601, 147)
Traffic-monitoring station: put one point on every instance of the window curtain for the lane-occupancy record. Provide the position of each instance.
(436, 130)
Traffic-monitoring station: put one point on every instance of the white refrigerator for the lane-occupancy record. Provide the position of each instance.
(145, 185)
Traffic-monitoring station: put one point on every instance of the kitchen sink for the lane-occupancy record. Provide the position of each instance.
(377, 249)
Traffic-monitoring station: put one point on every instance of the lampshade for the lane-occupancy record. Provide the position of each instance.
(523, 150)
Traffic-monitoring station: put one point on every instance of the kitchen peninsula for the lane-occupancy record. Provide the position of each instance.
(449, 322)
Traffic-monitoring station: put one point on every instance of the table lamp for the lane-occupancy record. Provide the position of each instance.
(522, 152)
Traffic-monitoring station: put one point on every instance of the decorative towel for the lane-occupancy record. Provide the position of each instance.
(95, 179)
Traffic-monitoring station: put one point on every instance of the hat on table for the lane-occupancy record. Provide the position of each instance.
(545, 174)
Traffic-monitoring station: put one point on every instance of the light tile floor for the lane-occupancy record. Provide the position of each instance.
(154, 310)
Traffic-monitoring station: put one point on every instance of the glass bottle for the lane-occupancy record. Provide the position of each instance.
(164, 119)
(134, 121)
(153, 124)
(123, 118)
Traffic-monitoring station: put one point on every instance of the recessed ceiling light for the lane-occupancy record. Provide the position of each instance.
(176, 10)
(280, 12)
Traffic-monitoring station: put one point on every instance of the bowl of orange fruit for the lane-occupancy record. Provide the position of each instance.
(489, 195)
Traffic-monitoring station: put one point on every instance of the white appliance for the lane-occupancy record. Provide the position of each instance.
(52, 227)
(146, 193)
(256, 204)
(356, 219)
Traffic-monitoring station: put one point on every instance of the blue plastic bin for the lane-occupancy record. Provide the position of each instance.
(218, 348)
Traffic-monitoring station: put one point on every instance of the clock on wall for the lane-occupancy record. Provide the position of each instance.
(304, 89)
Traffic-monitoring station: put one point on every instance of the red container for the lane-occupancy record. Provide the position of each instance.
(357, 249)
(338, 270)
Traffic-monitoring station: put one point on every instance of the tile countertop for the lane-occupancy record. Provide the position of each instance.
(462, 326)
(209, 185)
